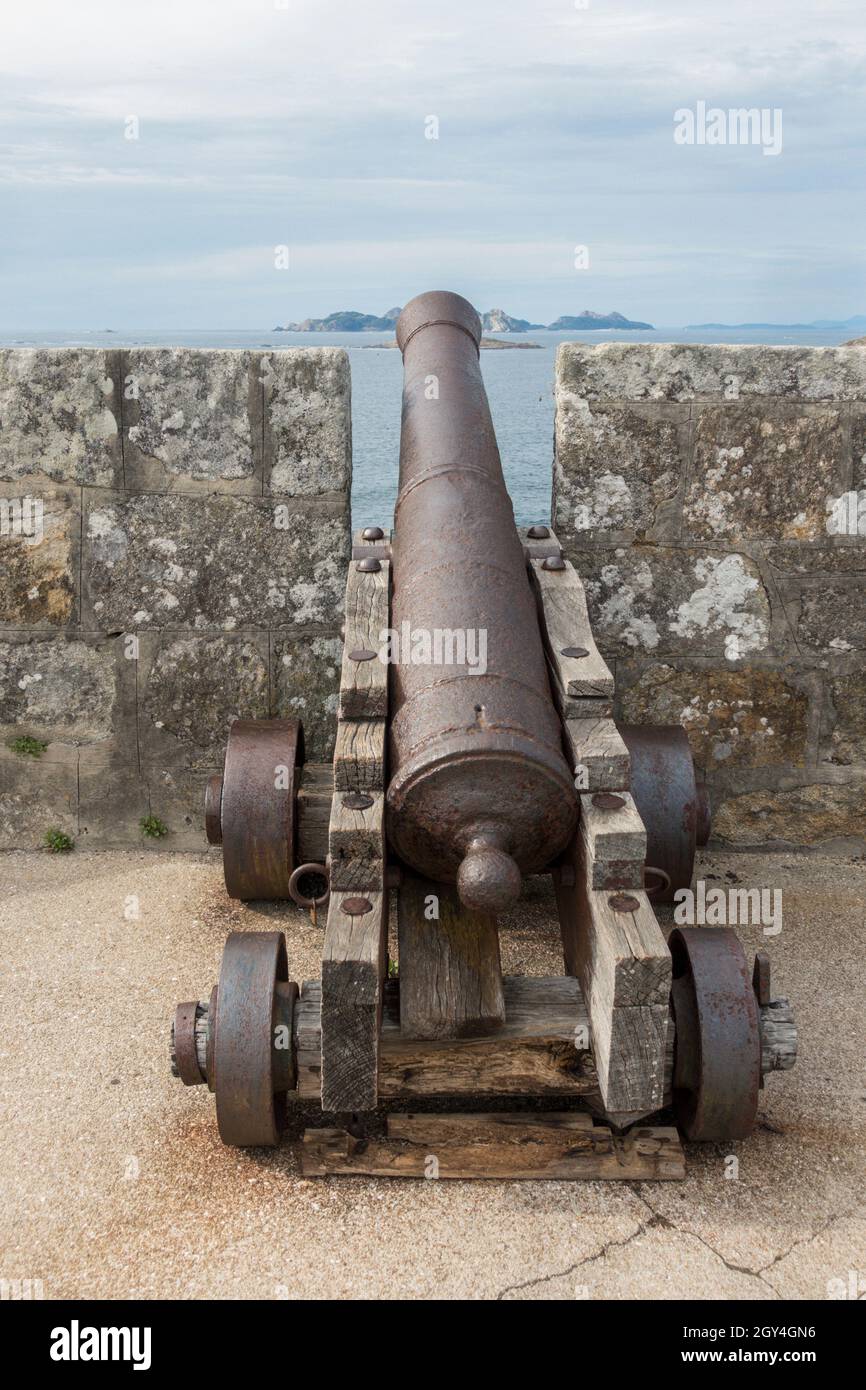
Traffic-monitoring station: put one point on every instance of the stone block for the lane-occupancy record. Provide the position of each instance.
(830, 616)
(652, 599)
(63, 689)
(60, 415)
(191, 687)
(308, 421)
(179, 562)
(765, 470)
(841, 557)
(817, 814)
(39, 557)
(847, 739)
(112, 798)
(192, 420)
(307, 685)
(175, 793)
(752, 717)
(618, 470)
(688, 372)
(36, 795)
(858, 445)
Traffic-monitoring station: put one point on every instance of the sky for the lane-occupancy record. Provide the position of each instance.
(305, 125)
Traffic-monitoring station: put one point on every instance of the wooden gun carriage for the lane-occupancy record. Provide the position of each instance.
(475, 745)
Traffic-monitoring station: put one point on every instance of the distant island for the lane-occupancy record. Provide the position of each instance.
(494, 321)
(497, 321)
(589, 319)
(344, 321)
(857, 321)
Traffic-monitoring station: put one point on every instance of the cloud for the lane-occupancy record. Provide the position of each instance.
(261, 125)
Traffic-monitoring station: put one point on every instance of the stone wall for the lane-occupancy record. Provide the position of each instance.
(175, 529)
(174, 535)
(709, 498)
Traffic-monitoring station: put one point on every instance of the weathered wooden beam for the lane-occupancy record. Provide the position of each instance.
(613, 944)
(778, 1036)
(354, 962)
(542, 1047)
(505, 1145)
(614, 840)
(313, 811)
(599, 758)
(355, 950)
(580, 707)
(356, 841)
(359, 755)
(308, 1040)
(364, 677)
(566, 630)
(450, 972)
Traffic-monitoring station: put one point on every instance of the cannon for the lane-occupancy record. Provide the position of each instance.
(480, 791)
(475, 746)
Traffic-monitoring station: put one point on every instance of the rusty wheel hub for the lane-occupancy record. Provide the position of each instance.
(671, 803)
(250, 810)
(253, 1055)
(717, 1058)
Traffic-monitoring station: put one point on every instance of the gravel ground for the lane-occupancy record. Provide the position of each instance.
(114, 1184)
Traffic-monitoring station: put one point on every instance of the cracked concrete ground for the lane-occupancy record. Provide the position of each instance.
(114, 1184)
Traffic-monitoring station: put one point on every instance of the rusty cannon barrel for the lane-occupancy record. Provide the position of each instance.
(480, 792)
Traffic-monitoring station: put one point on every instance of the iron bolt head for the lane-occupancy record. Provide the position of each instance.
(369, 566)
(574, 651)
(608, 801)
(538, 533)
(553, 562)
(623, 902)
(356, 907)
(362, 654)
(372, 533)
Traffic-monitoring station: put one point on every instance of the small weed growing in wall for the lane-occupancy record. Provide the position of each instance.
(393, 969)
(27, 747)
(153, 827)
(57, 841)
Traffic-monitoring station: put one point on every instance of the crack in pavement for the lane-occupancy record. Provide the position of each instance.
(807, 1240)
(743, 1269)
(729, 1264)
(587, 1259)
(658, 1221)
